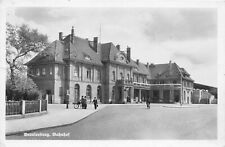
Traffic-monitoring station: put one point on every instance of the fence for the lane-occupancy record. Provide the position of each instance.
(13, 107)
(24, 107)
(32, 106)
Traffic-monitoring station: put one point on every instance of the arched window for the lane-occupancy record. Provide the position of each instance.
(76, 93)
(121, 75)
(128, 76)
(99, 93)
(114, 75)
(88, 92)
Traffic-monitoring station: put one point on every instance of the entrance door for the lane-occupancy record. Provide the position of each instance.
(99, 93)
(49, 93)
(88, 92)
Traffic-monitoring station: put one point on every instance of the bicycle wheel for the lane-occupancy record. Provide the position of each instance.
(76, 106)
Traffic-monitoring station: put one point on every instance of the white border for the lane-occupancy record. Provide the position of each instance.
(126, 3)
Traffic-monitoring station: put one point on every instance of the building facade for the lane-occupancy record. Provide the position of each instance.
(71, 67)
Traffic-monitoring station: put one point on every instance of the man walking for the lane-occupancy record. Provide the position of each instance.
(148, 103)
(95, 103)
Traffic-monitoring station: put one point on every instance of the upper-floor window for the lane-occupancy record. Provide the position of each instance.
(43, 71)
(135, 78)
(76, 71)
(50, 70)
(88, 73)
(121, 75)
(98, 75)
(113, 75)
(128, 76)
(38, 72)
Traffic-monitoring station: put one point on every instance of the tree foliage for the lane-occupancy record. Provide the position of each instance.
(24, 89)
(21, 42)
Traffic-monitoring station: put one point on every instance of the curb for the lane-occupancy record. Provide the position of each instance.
(181, 106)
(12, 117)
(50, 127)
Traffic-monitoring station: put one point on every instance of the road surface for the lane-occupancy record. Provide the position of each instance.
(134, 122)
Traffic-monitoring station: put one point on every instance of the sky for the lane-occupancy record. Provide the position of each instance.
(186, 36)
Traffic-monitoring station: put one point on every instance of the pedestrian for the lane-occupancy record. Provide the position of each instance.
(148, 103)
(85, 102)
(82, 102)
(95, 103)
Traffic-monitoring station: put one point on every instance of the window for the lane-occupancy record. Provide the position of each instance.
(98, 75)
(121, 75)
(60, 91)
(88, 73)
(114, 75)
(38, 72)
(43, 71)
(128, 77)
(76, 71)
(50, 70)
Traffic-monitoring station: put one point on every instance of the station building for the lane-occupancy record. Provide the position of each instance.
(71, 67)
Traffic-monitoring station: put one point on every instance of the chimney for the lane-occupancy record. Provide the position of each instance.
(128, 54)
(72, 34)
(95, 45)
(147, 65)
(60, 36)
(170, 67)
(137, 61)
(118, 47)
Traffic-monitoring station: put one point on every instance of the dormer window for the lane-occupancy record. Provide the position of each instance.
(43, 71)
(86, 57)
(38, 72)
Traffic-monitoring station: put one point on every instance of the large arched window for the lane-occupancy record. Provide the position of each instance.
(88, 92)
(76, 93)
(114, 75)
(99, 93)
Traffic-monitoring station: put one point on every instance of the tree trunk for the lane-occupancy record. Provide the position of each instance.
(12, 77)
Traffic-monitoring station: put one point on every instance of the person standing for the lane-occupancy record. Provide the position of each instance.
(95, 103)
(85, 102)
(82, 102)
(148, 103)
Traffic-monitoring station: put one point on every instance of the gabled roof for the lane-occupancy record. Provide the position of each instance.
(161, 71)
(141, 68)
(52, 53)
(81, 50)
(109, 52)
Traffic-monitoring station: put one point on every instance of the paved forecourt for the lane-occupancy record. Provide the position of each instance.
(162, 121)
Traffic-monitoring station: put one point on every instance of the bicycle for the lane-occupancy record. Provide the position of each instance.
(77, 105)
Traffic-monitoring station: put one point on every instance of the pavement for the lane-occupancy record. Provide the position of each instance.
(57, 115)
(135, 121)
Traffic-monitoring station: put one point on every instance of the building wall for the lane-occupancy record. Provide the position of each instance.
(201, 96)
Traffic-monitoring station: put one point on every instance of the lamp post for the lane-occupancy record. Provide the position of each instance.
(67, 99)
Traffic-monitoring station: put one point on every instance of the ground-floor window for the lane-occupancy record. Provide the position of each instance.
(176, 95)
(166, 95)
(76, 93)
(99, 93)
(88, 92)
(155, 95)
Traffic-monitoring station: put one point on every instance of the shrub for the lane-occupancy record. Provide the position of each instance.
(25, 89)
